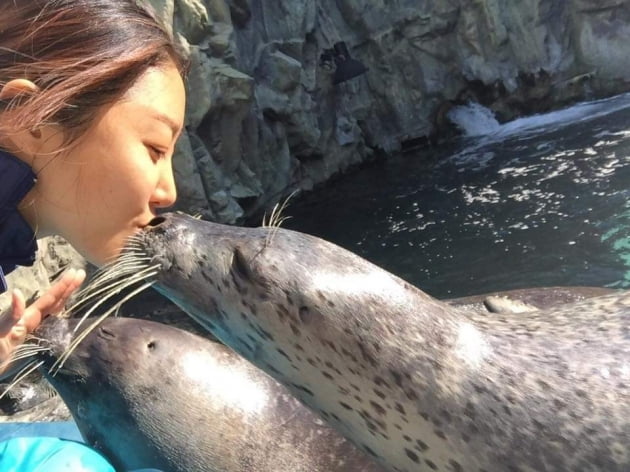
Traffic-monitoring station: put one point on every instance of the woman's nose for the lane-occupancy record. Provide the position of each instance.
(165, 192)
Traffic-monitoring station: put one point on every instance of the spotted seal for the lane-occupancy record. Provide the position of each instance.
(31, 399)
(148, 395)
(416, 383)
(526, 299)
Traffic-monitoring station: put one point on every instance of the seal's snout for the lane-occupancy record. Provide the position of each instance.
(56, 334)
(167, 223)
(157, 225)
(156, 239)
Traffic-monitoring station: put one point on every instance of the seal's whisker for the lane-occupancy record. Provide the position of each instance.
(97, 285)
(31, 337)
(138, 273)
(132, 245)
(124, 265)
(116, 289)
(130, 256)
(28, 350)
(129, 243)
(134, 238)
(271, 217)
(274, 229)
(113, 288)
(49, 390)
(30, 345)
(276, 219)
(109, 292)
(77, 340)
(25, 354)
(25, 351)
(114, 260)
(28, 368)
(131, 249)
(26, 347)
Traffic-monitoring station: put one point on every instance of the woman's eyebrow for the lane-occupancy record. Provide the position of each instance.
(175, 128)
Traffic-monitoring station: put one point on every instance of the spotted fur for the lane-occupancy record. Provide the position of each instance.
(416, 383)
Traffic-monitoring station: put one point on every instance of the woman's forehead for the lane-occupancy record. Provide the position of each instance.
(159, 92)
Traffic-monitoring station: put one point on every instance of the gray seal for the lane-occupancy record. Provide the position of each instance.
(415, 382)
(148, 395)
(526, 299)
(32, 399)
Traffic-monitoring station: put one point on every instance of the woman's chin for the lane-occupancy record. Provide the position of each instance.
(106, 250)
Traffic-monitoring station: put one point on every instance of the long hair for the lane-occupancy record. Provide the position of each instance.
(82, 54)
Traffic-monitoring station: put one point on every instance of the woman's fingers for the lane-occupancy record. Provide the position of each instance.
(12, 331)
(9, 319)
(53, 301)
(21, 320)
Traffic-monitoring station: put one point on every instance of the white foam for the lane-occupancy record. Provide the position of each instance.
(476, 120)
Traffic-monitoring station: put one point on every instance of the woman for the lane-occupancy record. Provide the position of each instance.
(91, 103)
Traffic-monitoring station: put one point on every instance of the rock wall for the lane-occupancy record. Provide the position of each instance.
(265, 118)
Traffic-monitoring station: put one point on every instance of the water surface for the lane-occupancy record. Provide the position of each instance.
(539, 201)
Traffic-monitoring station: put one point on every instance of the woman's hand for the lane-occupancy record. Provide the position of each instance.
(21, 320)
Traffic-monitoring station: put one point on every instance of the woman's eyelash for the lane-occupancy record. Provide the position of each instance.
(159, 154)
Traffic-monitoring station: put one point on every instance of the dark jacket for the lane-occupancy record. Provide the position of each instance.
(17, 240)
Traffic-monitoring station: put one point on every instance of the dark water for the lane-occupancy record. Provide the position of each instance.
(537, 202)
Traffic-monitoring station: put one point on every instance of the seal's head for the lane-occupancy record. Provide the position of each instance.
(148, 395)
(290, 278)
(94, 383)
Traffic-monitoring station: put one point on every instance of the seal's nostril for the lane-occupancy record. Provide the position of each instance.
(157, 221)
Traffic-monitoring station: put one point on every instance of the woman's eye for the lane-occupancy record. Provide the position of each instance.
(156, 153)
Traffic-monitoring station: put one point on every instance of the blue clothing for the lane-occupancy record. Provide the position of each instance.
(17, 240)
(42, 454)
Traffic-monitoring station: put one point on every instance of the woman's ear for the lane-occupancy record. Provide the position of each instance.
(16, 87)
(24, 144)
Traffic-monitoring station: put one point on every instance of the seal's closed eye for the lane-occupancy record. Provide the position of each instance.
(105, 333)
(241, 269)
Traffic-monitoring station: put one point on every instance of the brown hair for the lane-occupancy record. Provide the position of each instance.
(82, 54)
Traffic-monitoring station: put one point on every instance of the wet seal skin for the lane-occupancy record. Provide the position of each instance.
(416, 383)
(22, 406)
(526, 299)
(148, 395)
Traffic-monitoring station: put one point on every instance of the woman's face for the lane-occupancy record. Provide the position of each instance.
(109, 183)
